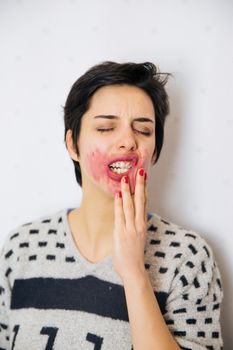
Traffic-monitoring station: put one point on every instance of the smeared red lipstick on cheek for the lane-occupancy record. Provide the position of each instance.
(97, 167)
(96, 164)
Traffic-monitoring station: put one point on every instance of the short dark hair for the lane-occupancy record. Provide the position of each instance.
(143, 75)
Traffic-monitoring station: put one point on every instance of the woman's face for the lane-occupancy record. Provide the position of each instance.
(112, 133)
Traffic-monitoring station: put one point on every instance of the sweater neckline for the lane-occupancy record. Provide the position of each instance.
(107, 260)
(76, 252)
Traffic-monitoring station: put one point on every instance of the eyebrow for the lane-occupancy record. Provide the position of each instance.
(141, 119)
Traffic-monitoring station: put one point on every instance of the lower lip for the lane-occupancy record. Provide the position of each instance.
(115, 176)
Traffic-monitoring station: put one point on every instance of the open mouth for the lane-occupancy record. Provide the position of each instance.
(121, 167)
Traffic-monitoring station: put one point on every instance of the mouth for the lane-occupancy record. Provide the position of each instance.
(117, 169)
(120, 167)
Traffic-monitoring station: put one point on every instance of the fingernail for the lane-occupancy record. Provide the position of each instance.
(119, 194)
(141, 172)
(126, 179)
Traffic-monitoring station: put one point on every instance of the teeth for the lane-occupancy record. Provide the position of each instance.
(119, 171)
(120, 167)
(123, 165)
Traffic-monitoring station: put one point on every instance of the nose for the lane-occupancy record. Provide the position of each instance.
(127, 140)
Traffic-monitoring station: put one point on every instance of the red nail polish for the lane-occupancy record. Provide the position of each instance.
(119, 194)
(141, 172)
(126, 179)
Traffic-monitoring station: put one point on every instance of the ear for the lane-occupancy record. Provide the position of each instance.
(70, 146)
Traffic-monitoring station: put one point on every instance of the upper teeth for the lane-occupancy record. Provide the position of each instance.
(122, 164)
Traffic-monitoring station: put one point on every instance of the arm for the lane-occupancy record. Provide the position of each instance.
(194, 302)
(192, 310)
(149, 330)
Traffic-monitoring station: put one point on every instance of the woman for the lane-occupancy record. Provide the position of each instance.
(109, 275)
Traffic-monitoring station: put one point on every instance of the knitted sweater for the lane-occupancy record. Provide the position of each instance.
(52, 297)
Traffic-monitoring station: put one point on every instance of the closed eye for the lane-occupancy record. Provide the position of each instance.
(141, 132)
(103, 130)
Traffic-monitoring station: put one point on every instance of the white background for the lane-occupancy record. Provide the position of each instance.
(47, 45)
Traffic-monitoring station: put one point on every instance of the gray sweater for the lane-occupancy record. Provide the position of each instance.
(52, 297)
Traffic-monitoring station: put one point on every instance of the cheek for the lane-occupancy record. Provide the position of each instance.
(143, 162)
(96, 164)
(145, 159)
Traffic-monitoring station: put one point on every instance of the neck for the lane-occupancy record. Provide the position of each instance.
(94, 219)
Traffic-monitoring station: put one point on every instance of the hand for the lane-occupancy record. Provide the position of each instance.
(130, 227)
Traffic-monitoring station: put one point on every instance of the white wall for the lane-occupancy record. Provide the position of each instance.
(46, 45)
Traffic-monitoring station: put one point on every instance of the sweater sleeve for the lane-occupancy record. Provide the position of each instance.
(194, 302)
(5, 292)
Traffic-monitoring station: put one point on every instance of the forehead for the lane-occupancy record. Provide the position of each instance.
(121, 99)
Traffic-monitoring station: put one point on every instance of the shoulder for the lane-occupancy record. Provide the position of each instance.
(175, 239)
(27, 234)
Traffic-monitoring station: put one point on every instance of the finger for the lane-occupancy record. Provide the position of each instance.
(139, 201)
(128, 205)
(118, 211)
